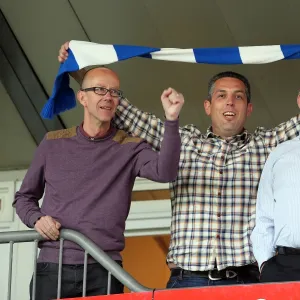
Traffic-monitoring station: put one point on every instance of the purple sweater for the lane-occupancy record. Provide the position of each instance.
(88, 184)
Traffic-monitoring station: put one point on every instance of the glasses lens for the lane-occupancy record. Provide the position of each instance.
(100, 91)
(103, 91)
(115, 93)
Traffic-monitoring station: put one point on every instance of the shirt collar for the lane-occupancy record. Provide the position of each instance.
(239, 137)
(98, 136)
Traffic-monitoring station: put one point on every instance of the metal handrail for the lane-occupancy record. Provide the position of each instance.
(89, 246)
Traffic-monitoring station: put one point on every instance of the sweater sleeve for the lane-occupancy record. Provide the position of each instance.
(162, 166)
(32, 189)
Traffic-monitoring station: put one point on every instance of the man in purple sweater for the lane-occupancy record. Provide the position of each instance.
(87, 174)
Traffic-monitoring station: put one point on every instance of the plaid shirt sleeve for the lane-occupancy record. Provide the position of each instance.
(281, 133)
(139, 123)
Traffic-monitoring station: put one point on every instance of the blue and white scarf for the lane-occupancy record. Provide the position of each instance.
(84, 54)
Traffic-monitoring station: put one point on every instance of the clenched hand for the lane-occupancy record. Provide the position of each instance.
(172, 102)
(48, 228)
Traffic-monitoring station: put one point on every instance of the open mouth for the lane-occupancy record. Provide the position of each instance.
(229, 115)
(106, 107)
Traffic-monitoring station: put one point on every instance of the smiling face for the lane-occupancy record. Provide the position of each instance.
(228, 107)
(100, 108)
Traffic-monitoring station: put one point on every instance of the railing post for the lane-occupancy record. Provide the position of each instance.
(61, 245)
(11, 249)
(34, 269)
(84, 274)
(108, 283)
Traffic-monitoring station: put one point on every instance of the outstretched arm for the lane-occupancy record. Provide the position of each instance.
(283, 132)
(163, 166)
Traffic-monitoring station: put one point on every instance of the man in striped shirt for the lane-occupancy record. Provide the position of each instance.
(214, 196)
(275, 238)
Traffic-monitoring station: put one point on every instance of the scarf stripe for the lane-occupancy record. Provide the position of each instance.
(83, 54)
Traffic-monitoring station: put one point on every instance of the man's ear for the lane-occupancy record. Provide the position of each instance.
(207, 106)
(81, 98)
(249, 109)
(298, 100)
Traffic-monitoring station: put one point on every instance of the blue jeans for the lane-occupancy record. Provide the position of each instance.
(186, 281)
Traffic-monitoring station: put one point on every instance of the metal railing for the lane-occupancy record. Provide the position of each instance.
(89, 247)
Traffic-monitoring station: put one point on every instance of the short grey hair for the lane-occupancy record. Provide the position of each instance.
(230, 74)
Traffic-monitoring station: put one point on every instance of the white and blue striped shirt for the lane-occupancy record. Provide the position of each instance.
(278, 202)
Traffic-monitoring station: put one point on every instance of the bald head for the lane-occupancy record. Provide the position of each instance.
(100, 76)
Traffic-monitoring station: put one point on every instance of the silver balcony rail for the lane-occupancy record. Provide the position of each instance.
(89, 247)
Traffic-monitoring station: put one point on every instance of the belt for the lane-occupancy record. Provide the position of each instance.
(212, 274)
(287, 251)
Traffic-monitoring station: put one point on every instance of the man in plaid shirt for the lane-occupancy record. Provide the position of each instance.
(214, 196)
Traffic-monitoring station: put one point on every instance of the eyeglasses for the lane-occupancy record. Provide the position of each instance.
(102, 91)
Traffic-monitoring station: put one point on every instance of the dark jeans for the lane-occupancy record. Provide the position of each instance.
(249, 274)
(281, 268)
(72, 281)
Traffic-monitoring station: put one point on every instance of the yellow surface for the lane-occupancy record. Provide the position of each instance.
(145, 259)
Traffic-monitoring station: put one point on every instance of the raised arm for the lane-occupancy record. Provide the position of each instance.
(142, 124)
(283, 132)
(163, 166)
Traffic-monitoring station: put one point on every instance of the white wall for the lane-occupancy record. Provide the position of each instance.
(16, 175)
(145, 218)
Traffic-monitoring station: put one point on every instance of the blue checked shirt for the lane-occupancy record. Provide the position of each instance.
(213, 198)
